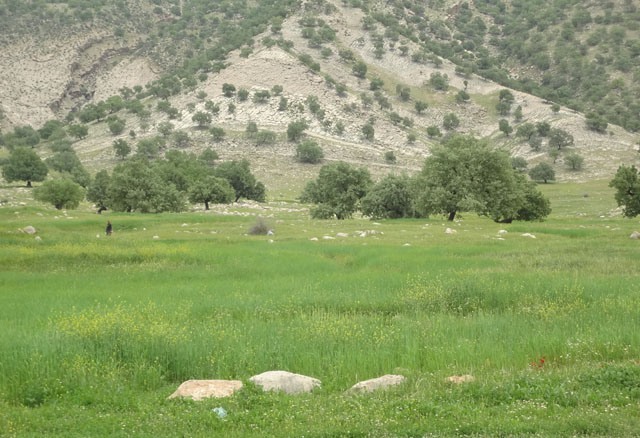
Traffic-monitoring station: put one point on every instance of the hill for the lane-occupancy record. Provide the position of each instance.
(338, 65)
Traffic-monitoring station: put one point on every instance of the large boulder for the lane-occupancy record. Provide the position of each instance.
(285, 381)
(378, 383)
(635, 235)
(201, 389)
(29, 229)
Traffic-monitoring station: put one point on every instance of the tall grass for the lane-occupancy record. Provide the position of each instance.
(94, 326)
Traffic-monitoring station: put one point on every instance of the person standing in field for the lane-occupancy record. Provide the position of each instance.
(109, 229)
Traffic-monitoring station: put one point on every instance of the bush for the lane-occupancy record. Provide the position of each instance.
(260, 228)
(61, 193)
(309, 152)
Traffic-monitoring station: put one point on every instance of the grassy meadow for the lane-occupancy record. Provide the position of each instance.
(96, 332)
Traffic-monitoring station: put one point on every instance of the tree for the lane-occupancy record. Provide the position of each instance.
(229, 90)
(295, 130)
(337, 190)
(98, 190)
(439, 81)
(244, 183)
(504, 126)
(627, 185)
(309, 152)
(368, 131)
(69, 163)
(78, 131)
(136, 186)
(559, 138)
(359, 69)
(390, 198)
(211, 189)
(420, 106)
(450, 122)
(24, 164)
(202, 118)
(61, 193)
(466, 174)
(121, 148)
(519, 163)
(217, 133)
(116, 125)
(596, 122)
(542, 172)
(574, 161)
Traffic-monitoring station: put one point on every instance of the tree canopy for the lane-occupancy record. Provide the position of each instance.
(24, 164)
(627, 185)
(466, 174)
(337, 190)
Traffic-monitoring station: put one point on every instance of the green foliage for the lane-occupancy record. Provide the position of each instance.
(596, 122)
(121, 148)
(433, 131)
(390, 157)
(389, 198)
(542, 172)
(559, 138)
(359, 69)
(24, 164)
(337, 190)
(202, 118)
(135, 186)
(505, 127)
(67, 162)
(439, 81)
(368, 131)
(116, 125)
(309, 151)
(211, 189)
(244, 183)
(466, 174)
(265, 137)
(450, 122)
(627, 185)
(574, 161)
(229, 90)
(519, 163)
(243, 94)
(295, 130)
(98, 190)
(78, 131)
(61, 193)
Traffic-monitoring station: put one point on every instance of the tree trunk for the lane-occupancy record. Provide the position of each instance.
(206, 205)
(29, 184)
(452, 216)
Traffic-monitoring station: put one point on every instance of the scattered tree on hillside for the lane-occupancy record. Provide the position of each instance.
(295, 130)
(505, 127)
(627, 185)
(309, 151)
(24, 164)
(337, 190)
(121, 148)
(542, 172)
(574, 161)
(61, 193)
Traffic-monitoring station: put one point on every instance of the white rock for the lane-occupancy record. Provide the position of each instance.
(378, 383)
(328, 237)
(342, 235)
(450, 231)
(529, 235)
(314, 239)
(156, 237)
(635, 235)
(201, 389)
(29, 229)
(501, 232)
(285, 381)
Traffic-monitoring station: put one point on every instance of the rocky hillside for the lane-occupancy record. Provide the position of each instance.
(340, 65)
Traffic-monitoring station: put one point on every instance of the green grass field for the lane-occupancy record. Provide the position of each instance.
(96, 331)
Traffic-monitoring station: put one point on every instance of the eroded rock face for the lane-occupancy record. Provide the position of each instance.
(201, 389)
(285, 381)
(378, 383)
